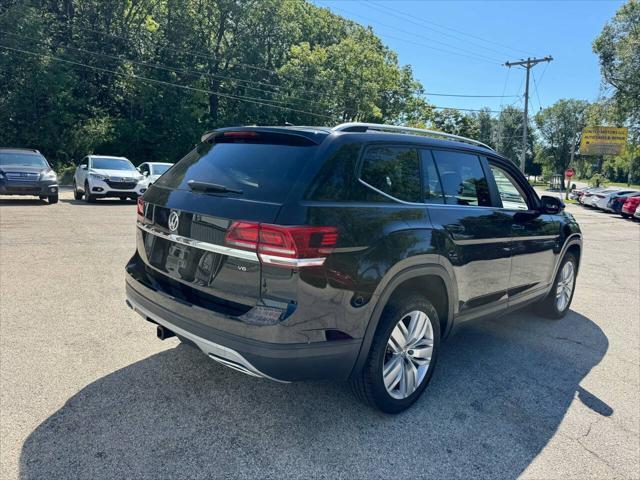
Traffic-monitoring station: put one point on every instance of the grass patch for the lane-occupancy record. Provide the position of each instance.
(623, 185)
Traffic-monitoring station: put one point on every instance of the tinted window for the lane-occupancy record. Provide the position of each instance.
(462, 178)
(111, 164)
(262, 171)
(22, 159)
(430, 179)
(510, 194)
(394, 171)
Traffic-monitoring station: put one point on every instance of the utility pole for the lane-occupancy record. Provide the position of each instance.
(528, 64)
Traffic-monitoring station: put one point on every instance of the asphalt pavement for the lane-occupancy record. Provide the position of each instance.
(87, 391)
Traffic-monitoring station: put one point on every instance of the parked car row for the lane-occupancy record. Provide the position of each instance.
(27, 172)
(623, 201)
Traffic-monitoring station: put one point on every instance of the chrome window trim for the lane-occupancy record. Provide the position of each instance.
(391, 197)
(209, 247)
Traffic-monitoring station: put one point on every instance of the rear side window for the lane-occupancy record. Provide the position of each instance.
(263, 169)
(430, 179)
(394, 171)
(463, 180)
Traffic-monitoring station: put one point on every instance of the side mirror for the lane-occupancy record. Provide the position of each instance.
(83, 167)
(551, 205)
(146, 173)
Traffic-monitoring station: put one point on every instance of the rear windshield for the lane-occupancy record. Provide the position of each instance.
(261, 171)
(22, 159)
(111, 164)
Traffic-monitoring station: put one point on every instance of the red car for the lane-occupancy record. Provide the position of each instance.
(629, 207)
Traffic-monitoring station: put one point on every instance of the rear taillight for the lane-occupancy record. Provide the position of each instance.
(140, 207)
(287, 246)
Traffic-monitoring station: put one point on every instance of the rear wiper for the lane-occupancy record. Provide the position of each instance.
(211, 187)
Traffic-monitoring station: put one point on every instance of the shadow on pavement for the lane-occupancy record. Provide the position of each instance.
(102, 201)
(500, 391)
(22, 202)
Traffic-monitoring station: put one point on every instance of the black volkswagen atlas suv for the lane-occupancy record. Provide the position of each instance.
(295, 253)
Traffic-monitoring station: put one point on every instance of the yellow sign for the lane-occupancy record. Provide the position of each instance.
(603, 141)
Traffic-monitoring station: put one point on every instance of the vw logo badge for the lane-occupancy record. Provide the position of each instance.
(174, 220)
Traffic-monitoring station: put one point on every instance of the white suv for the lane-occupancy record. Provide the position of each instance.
(99, 176)
(151, 171)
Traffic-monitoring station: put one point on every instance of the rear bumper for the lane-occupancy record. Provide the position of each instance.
(39, 188)
(277, 361)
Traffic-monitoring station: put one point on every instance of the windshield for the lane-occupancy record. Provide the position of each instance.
(111, 164)
(159, 169)
(263, 171)
(22, 159)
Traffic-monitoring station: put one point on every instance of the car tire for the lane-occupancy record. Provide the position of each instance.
(371, 384)
(625, 215)
(76, 193)
(87, 196)
(52, 199)
(558, 302)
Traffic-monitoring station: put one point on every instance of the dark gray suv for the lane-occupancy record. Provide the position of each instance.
(295, 253)
(27, 172)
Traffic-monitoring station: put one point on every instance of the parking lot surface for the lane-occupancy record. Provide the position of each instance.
(87, 391)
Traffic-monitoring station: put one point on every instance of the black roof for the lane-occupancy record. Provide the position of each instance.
(318, 134)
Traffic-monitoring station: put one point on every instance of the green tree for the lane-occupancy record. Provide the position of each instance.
(145, 78)
(456, 122)
(559, 129)
(618, 48)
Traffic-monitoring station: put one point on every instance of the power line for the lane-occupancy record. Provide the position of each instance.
(385, 25)
(420, 44)
(469, 96)
(528, 64)
(466, 109)
(535, 85)
(199, 55)
(422, 22)
(175, 69)
(162, 82)
(201, 90)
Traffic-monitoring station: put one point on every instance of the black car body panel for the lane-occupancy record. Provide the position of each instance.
(486, 258)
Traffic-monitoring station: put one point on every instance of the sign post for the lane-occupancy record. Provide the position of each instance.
(569, 172)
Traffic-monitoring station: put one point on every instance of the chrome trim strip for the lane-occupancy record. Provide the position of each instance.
(209, 247)
(479, 241)
(219, 353)
(291, 262)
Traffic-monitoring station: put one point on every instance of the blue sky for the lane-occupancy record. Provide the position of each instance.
(457, 47)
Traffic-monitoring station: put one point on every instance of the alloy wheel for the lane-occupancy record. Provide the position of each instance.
(565, 286)
(408, 354)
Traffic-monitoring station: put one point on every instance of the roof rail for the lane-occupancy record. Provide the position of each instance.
(363, 127)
